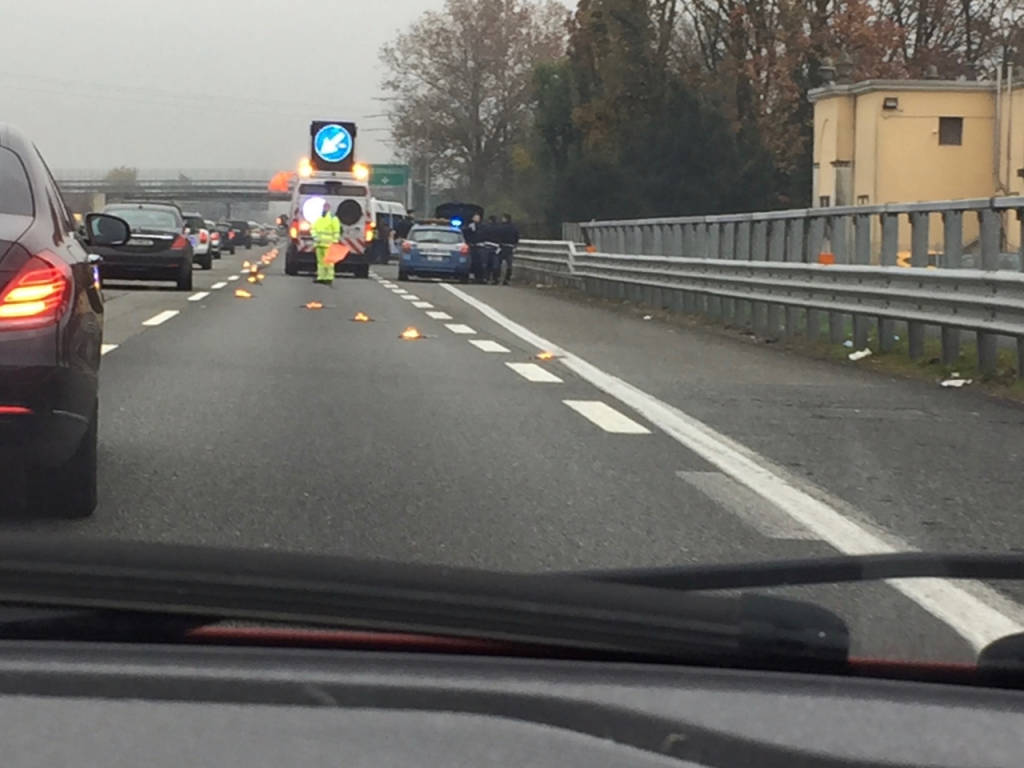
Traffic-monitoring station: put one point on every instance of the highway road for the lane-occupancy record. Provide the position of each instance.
(260, 423)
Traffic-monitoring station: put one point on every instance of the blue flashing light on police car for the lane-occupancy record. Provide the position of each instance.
(332, 143)
(456, 222)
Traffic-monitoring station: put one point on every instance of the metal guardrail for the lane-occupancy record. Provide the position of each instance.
(788, 298)
(863, 234)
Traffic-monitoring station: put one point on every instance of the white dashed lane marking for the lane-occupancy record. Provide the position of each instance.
(459, 328)
(233, 277)
(217, 286)
(533, 372)
(423, 305)
(606, 417)
(161, 317)
(411, 297)
(398, 291)
(439, 315)
(486, 345)
(199, 296)
(106, 348)
(760, 514)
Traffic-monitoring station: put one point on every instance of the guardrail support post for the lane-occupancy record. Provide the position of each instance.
(950, 345)
(815, 241)
(714, 251)
(991, 227)
(776, 252)
(1020, 357)
(861, 329)
(794, 252)
(952, 239)
(862, 239)
(919, 223)
(728, 251)
(758, 252)
(890, 239)
(742, 253)
(986, 353)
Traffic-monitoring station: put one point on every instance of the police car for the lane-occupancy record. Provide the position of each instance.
(435, 248)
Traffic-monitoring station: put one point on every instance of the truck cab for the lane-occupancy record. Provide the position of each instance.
(350, 201)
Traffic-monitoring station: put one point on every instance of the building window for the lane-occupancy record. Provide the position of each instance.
(862, 199)
(951, 130)
(824, 201)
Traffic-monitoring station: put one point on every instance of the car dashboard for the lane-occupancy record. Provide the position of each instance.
(173, 705)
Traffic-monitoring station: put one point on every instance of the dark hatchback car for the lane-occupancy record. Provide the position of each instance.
(157, 250)
(227, 237)
(51, 331)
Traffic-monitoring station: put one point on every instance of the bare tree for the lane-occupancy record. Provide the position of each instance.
(463, 81)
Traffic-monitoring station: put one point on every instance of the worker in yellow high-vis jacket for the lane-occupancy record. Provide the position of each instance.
(326, 231)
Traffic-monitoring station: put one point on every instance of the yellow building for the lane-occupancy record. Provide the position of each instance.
(901, 141)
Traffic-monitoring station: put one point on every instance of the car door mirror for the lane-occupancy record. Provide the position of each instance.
(104, 229)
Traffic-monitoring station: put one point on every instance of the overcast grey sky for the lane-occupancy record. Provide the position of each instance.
(194, 83)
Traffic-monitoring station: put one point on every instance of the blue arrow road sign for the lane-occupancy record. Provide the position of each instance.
(332, 143)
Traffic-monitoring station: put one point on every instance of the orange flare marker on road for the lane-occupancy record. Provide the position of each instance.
(545, 355)
(314, 305)
(361, 317)
(241, 293)
(410, 334)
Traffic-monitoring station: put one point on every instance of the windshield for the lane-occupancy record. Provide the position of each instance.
(435, 236)
(601, 284)
(147, 218)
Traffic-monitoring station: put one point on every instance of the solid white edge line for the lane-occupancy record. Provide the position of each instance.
(978, 614)
(199, 296)
(107, 348)
(217, 286)
(533, 372)
(161, 317)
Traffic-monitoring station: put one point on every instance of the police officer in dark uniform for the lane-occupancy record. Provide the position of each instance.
(471, 232)
(509, 239)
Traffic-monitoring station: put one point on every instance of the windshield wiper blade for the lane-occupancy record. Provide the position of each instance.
(819, 570)
(570, 613)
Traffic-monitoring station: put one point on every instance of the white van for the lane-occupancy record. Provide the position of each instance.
(350, 201)
(386, 214)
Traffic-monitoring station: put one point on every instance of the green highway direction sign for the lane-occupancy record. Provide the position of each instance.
(389, 175)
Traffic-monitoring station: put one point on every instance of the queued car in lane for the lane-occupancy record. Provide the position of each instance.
(158, 248)
(227, 237)
(199, 236)
(435, 248)
(211, 227)
(242, 233)
(51, 332)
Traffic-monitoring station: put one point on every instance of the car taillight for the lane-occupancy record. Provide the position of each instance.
(37, 295)
(371, 230)
(203, 236)
(215, 237)
(464, 249)
(304, 226)
(407, 246)
(231, 235)
(179, 243)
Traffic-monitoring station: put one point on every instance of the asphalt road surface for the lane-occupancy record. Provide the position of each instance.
(260, 423)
